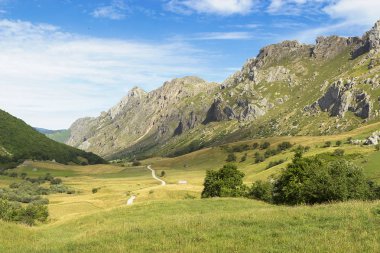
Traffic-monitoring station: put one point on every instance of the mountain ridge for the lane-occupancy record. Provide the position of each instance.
(273, 94)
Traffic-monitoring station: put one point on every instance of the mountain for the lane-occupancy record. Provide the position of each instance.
(21, 141)
(61, 135)
(288, 89)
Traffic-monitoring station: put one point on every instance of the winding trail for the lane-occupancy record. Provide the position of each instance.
(163, 183)
(155, 177)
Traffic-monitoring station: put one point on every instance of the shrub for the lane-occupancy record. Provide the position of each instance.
(275, 163)
(136, 163)
(261, 190)
(231, 157)
(240, 148)
(271, 152)
(265, 145)
(313, 180)
(243, 158)
(163, 173)
(255, 145)
(94, 190)
(284, 146)
(327, 144)
(56, 181)
(338, 143)
(377, 147)
(226, 182)
(28, 215)
(338, 152)
(259, 158)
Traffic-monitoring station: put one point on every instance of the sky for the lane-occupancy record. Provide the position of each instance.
(65, 59)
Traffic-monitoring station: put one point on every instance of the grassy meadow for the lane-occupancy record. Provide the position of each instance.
(173, 218)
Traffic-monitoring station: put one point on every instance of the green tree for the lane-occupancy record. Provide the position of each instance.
(261, 190)
(226, 182)
(314, 180)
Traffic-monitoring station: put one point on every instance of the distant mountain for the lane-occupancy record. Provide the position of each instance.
(288, 89)
(45, 131)
(61, 136)
(20, 141)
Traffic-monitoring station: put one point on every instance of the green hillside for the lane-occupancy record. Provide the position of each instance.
(59, 136)
(20, 141)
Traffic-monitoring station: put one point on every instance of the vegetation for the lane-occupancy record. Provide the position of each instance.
(226, 182)
(275, 163)
(231, 158)
(314, 180)
(30, 214)
(24, 142)
(265, 145)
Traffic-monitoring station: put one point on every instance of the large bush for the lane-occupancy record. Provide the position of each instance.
(226, 182)
(314, 180)
(29, 214)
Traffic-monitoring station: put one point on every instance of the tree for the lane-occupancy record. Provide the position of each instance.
(261, 190)
(338, 143)
(327, 144)
(314, 180)
(163, 173)
(226, 182)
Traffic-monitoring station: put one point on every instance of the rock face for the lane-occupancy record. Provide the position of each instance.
(372, 38)
(329, 47)
(341, 98)
(374, 139)
(265, 97)
(157, 115)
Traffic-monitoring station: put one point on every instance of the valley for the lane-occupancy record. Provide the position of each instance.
(282, 155)
(89, 221)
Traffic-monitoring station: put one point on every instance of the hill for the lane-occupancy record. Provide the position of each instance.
(20, 141)
(61, 135)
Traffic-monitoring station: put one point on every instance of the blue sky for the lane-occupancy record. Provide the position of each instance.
(65, 59)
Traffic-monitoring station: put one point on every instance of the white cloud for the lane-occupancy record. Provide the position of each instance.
(354, 12)
(295, 7)
(115, 11)
(49, 77)
(223, 36)
(345, 18)
(218, 7)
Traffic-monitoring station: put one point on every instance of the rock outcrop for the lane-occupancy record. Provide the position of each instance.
(374, 139)
(341, 98)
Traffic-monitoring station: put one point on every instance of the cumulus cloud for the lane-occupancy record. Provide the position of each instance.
(345, 18)
(225, 7)
(50, 77)
(115, 11)
(365, 12)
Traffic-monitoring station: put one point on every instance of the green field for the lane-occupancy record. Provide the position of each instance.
(173, 218)
(214, 225)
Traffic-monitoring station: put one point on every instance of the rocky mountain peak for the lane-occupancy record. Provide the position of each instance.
(373, 36)
(136, 92)
(327, 47)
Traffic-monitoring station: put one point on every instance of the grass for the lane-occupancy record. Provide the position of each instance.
(174, 218)
(214, 225)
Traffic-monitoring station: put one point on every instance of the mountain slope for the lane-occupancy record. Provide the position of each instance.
(61, 136)
(20, 141)
(288, 89)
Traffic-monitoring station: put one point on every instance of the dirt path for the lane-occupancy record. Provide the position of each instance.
(154, 175)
